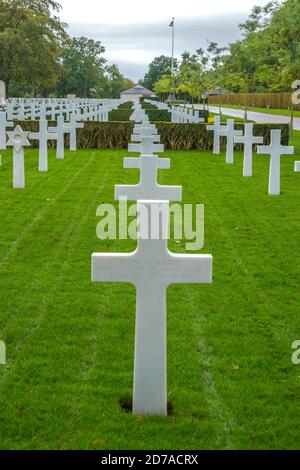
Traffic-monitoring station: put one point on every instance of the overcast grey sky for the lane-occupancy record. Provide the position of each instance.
(134, 33)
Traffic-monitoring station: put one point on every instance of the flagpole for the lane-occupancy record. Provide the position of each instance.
(173, 45)
(172, 95)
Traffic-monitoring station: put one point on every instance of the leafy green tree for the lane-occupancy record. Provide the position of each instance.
(127, 84)
(31, 41)
(114, 82)
(158, 68)
(82, 68)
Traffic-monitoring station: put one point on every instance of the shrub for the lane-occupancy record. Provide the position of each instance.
(190, 136)
(122, 114)
(126, 105)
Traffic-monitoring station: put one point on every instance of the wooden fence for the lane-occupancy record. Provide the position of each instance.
(258, 100)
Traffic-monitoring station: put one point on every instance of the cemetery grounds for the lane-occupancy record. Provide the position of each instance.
(231, 380)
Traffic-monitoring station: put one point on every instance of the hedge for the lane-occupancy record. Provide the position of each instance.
(120, 114)
(126, 105)
(154, 114)
(190, 136)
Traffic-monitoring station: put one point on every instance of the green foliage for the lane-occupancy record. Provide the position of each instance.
(190, 136)
(38, 58)
(147, 106)
(159, 67)
(122, 114)
(126, 105)
(83, 67)
(31, 41)
(156, 115)
(114, 82)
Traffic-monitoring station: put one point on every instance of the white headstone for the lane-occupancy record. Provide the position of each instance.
(4, 124)
(152, 268)
(73, 125)
(2, 90)
(230, 133)
(297, 167)
(43, 136)
(60, 130)
(249, 140)
(276, 150)
(146, 147)
(18, 140)
(216, 128)
(148, 188)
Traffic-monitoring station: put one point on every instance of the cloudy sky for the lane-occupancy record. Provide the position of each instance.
(134, 33)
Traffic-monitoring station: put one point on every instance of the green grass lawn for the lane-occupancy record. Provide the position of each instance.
(225, 117)
(70, 342)
(283, 112)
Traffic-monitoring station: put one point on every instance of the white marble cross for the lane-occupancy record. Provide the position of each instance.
(152, 268)
(43, 136)
(151, 138)
(249, 140)
(144, 124)
(276, 150)
(4, 124)
(60, 130)
(230, 133)
(147, 130)
(216, 127)
(146, 147)
(18, 140)
(73, 125)
(148, 188)
(297, 167)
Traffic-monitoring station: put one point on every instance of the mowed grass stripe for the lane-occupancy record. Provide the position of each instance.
(229, 370)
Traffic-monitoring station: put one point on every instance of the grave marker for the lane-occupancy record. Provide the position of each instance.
(148, 188)
(146, 147)
(216, 127)
(230, 132)
(152, 268)
(249, 140)
(43, 136)
(275, 150)
(4, 124)
(18, 140)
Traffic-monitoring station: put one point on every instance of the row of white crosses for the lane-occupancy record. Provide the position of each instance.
(34, 109)
(19, 139)
(179, 114)
(152, 268)
(249, 140)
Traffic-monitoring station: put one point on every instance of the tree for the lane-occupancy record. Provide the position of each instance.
(82, 68)
(114, 83)
(31, 41)
(158, 68)
(127, 84)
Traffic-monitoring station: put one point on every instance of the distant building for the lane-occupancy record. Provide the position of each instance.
(136, 93)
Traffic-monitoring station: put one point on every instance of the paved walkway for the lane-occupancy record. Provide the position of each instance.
(256, 117)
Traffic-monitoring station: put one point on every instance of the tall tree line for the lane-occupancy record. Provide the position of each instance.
(39, 58)
(266, 59)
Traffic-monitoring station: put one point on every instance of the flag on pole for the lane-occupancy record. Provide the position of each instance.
(172, 23)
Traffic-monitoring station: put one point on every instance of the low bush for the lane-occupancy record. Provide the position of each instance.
(98, 135)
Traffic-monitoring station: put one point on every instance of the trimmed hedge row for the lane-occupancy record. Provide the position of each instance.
(116, 135)
(120, 114)
(154, 115)
(126, 105)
